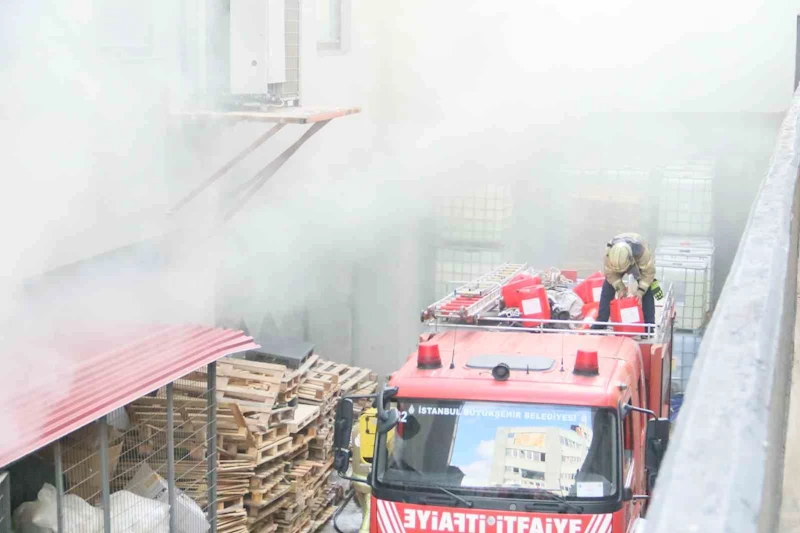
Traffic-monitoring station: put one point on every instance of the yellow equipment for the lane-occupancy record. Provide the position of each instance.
(363, 449)
(367, 431)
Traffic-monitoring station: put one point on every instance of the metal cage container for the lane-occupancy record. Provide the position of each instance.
(685, 347)
(688, 264)
(479, 216)
(686, 195)
(456, 266)
(150, 466)
(598, 204)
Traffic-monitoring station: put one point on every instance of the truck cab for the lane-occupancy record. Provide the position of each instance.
(496, 429)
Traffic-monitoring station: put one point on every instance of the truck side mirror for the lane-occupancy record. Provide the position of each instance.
(342, 432)
(387, 418)
(656, 440)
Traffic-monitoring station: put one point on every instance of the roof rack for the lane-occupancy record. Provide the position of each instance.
(471, 299)
(476, 306)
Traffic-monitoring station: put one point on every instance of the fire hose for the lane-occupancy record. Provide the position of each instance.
(336, 514)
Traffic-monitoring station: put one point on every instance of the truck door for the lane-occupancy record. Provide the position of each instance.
(628, 458)
(633, 454)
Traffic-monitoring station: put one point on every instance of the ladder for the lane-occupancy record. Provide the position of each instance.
(475, 297)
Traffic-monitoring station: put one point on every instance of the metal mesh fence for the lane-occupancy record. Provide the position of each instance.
(692, 281)
(149, 464)
(684, 352)
(686, 200)
(116, 473)
(250, 451)
(5, 503)
(479, 216)
(457, 266)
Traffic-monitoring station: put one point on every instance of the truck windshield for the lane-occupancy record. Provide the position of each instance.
(508, 448)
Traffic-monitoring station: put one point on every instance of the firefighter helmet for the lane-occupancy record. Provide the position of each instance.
(620, 257)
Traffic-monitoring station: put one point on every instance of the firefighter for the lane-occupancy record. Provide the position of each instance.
(628, 253)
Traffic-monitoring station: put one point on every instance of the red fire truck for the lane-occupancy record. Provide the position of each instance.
(499, 426)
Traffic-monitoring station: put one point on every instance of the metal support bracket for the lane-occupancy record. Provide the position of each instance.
(251, 186)
(211, 445)
(59, 466)
(226, 167)
(242, 194)
(105, 482)
(173, 526)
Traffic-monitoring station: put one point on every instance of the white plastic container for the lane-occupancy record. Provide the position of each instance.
(694, 250)
(686, 200)
(687, 244)
(477, 216)
(691, 279)
(684, 353)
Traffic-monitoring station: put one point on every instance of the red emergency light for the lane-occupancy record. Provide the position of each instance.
(586, 363)
(428, 356)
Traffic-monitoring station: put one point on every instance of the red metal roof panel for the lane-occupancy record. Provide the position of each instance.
(81, 379)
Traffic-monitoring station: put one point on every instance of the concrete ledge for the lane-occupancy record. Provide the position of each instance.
(723, 470)
(790, 500)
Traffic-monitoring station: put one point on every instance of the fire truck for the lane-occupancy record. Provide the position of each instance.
(507, 421)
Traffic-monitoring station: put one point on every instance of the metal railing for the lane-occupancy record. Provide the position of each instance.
(723, 467)
(654, 333)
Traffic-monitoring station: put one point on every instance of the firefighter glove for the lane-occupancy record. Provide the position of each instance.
(656, 289)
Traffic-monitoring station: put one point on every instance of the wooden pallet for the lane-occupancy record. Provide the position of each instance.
(228, 391)
(256, 514)
(270, 372)
(303, 417)
(275, 461)
(269, 475)
(261, 422)
(268, 452)
(266, 525)
(271, 436)
(268, 501)
(258, 499)
(232, 521)
(236, 502)
(323, 518)
(252, 371)
(293, 519)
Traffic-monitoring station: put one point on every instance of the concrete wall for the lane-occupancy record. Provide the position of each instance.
(83, 131)
(723, 469)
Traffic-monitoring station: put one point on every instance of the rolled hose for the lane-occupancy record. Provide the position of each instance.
(341, 508)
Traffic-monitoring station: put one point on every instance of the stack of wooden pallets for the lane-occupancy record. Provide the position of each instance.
(274, 440)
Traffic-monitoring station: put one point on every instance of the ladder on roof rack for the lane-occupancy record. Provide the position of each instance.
(474, 297)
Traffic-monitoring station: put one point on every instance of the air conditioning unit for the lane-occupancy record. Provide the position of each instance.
(248, 55)
(257, 45)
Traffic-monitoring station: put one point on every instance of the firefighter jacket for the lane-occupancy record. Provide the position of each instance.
(643, 267)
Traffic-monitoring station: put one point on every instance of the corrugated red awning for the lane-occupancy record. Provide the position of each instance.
(54, 388)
